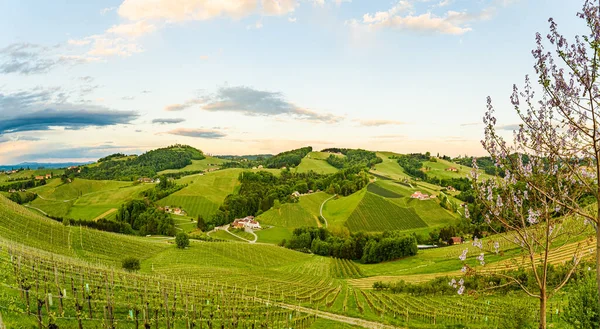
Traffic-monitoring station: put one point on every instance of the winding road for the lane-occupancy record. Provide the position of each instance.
(321, 210)
(226, 229)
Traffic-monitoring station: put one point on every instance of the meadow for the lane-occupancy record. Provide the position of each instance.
(204, 193)
(84, 199)
(315, 161)
(204, 164)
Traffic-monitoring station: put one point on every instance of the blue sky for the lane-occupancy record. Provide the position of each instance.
(82, 80)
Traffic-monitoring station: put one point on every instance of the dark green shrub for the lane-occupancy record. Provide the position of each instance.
(131, 264)
(182, 240)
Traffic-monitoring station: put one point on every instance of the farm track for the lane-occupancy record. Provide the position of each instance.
(38, 209)
(108, 212)
(226, 229)
(321, 209)
(336, 317)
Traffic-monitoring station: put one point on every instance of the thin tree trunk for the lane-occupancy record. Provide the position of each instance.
(598, 249)
(543, 302)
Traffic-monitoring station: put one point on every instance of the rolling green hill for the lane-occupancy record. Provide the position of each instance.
(315, 161)
(204, 164)
(204, 193)
(288, 216)
(83, 198)
(375, 213)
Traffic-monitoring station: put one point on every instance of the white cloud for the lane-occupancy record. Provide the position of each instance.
(104, 11)
(132, 30)
(292, 19)
(278, 7)
(443, 3)
(185, 10)
(110, 46)
(258, 25)
(402, 16)
(82, 42)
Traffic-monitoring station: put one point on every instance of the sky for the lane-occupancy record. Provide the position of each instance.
(81, 80)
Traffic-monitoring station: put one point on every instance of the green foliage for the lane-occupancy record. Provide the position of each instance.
(369, 248)
(353, 157)
(520, 317)
(21, 198)
(182, 240)
(145, 165)
(131, 264)
(112, 156)
(146, 218)
(287, 159)
(163, 189)
(388, 248)
(582, 310)
(21, 185)
(201, 224)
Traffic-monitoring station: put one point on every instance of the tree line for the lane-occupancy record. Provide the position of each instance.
(148, 164)
(369, 248)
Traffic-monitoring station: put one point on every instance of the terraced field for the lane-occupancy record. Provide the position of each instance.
(376, 214)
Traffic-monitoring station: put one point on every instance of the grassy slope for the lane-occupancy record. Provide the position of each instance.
(377, 214)
(204, 193)
(26, 227)
(289, 216)
(203, 164)
(438, 169)
(29, 173)
(428, 210)
(84, 199)
(315, 161)
(338, 210)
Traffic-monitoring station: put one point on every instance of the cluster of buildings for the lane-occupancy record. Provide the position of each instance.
(297, 194)
(8, 172)
(422, 196)
(173, 210)
(452, 169)
(148, 180)
(15, 191)
(246, 222)
(46, 176)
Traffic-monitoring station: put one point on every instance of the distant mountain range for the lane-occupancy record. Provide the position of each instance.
(36, 165)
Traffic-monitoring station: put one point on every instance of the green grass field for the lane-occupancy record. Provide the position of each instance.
(203, 164)
(376, 214)
(338, 210)
(23, 174)
(84, 199)
(292, 215)
(204, 193)
(315, 161)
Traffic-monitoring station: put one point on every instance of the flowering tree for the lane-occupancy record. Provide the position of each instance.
(551, 169)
